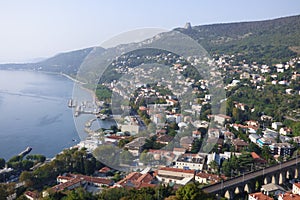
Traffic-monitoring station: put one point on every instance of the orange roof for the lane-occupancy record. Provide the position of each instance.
(260, 196)
(65, 185)
(65, 177)
(254, 155)
(104, 169)
(31, 194)
(137, 179)
(289, 196)
(177, 170)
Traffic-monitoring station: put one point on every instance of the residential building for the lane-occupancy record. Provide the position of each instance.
(239, 144)
(196, 134)
(254, 137)
(272, 189)
(190, 161)
(282, 149)
(296, 188)
(221, 119)
(135, 147)
(136, 180)
(187, 142)
(179, 151)
(276, 125)
(31, 195)
(205, 178)
(168, 175)
(285, 131)
(288, 196)
(164, 139)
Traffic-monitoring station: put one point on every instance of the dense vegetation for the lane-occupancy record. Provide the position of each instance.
(73, 160)
(265, 42)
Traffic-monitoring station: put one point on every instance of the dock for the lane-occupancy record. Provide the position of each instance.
(25, 152)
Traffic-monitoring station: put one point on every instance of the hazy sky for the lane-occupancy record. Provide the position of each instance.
(34, 28)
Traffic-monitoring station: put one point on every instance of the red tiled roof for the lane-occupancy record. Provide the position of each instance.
(254, 155)
(289, 196)
(145, 178)
(65, 178)
(31, 194)
(104, 170)
(136, 179)
(260, 196)
(65, 185)
(177, 170)
(212, 177)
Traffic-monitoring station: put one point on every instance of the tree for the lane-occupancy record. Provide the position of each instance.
(191, 191)
(226, 168)
(27, 164)
(79, 194)
(213, 165)
(266, 154)
(126, 157)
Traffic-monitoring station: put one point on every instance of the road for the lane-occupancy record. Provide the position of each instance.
(249, 176)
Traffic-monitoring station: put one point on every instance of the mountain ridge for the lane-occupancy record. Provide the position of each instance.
(265, 41)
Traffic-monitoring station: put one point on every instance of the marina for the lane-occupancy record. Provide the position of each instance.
(85, 107)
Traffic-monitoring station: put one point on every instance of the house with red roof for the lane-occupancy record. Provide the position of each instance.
(259, 196)
(136, 180)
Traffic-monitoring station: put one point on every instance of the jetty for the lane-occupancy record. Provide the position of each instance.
(72, 103)
(84, 107)
(25, 152)
(89, 123)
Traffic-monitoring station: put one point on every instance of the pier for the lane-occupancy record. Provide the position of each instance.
(85, 107)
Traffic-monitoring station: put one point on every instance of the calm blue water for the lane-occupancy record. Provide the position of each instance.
(34, 112)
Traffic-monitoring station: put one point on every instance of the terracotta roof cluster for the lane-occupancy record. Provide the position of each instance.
(67, 185)
(137, 180)
(71, 181)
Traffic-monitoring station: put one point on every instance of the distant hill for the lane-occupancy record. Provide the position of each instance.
(266, 41)
(269, 42)
(68, 62)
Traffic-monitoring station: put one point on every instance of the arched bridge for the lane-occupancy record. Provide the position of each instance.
(246, 183)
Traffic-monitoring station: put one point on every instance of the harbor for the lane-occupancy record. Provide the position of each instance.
(84, 107)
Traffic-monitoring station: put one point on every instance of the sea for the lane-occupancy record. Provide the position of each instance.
(34, 113)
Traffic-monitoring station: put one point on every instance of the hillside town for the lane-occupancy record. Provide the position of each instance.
(168, 133)
(155, 115)
(181, 123)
